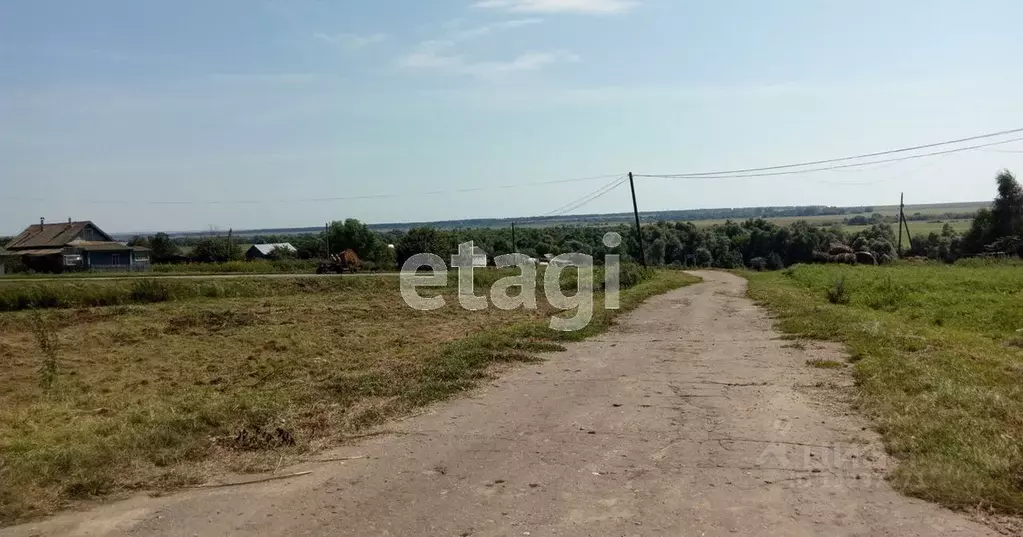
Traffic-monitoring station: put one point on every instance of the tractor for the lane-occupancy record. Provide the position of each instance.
(346, 261)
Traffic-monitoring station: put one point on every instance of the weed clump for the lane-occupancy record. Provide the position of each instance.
(837, 293)
(47, 341)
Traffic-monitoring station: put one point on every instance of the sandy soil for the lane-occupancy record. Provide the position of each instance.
(691, 418)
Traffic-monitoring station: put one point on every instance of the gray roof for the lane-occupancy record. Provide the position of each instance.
(265, 249)
(51, 235)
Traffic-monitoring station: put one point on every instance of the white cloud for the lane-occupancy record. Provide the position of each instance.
(352, 41)
(444, 54)
(559, 6)
(430, 56)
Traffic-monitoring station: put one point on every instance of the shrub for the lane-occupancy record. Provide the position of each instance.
(632, 274)
(774, 261)
(758, 263)
(837, 293)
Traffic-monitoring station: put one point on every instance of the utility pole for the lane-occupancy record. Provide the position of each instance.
(902, 205)
(639, 230)
(326, 238)
(514, 248)
(909, 237)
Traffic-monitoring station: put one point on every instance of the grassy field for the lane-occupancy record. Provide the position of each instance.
(109, 400)
(939, 366)
(921, 227)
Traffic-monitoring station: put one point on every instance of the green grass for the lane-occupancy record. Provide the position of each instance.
(157, 396)
(939, 367)
(292, 266)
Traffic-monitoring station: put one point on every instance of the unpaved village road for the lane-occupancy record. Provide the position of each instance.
(691, 418)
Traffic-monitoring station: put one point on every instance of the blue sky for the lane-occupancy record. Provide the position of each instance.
(246, 110)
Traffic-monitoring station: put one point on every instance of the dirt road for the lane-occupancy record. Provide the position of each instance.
(689, 419)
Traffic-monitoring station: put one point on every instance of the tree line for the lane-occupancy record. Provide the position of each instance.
(753, 242)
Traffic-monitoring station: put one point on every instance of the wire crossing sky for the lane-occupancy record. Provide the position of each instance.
(256, 114)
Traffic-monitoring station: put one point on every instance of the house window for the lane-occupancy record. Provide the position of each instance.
(115, 259)
(72, 260)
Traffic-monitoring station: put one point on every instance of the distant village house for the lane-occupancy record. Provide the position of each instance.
(70, 246)
(263, 251)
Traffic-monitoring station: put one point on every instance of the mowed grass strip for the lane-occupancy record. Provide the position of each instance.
(939, 366)
(164, 395)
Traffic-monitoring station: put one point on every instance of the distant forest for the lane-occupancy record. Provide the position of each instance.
(919, 212)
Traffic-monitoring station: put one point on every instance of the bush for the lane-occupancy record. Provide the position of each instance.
(632, 274)
(758, 263)
(837, 293)
(774, 261)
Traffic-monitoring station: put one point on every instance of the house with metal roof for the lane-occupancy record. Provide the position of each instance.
(263, 251)
(69, 246)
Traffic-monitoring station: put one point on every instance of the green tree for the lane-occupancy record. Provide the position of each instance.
(421, 240)
(1007, 209)
(352, 234)
(981, 233)
(216, 250)
(309, 246)
(703, 257)
(138, 240)
(281, 254)
(163, 247)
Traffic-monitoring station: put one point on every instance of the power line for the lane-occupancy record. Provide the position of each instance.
(828, 168)
(585, 200)
(1003, 151)
(855, 157)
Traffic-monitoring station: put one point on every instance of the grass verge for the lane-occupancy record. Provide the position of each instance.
(937, 367)
(163, 395)
(15, 296)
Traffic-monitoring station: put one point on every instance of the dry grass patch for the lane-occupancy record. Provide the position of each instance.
(163, 395)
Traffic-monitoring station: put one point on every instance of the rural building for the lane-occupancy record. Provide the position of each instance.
(73, 246)
(262, 251)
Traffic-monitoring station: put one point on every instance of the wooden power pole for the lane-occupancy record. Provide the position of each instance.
(639, 230)
(902, 205)
(514, 247)
(905, 222)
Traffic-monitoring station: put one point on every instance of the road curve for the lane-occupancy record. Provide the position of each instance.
(689, 418)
